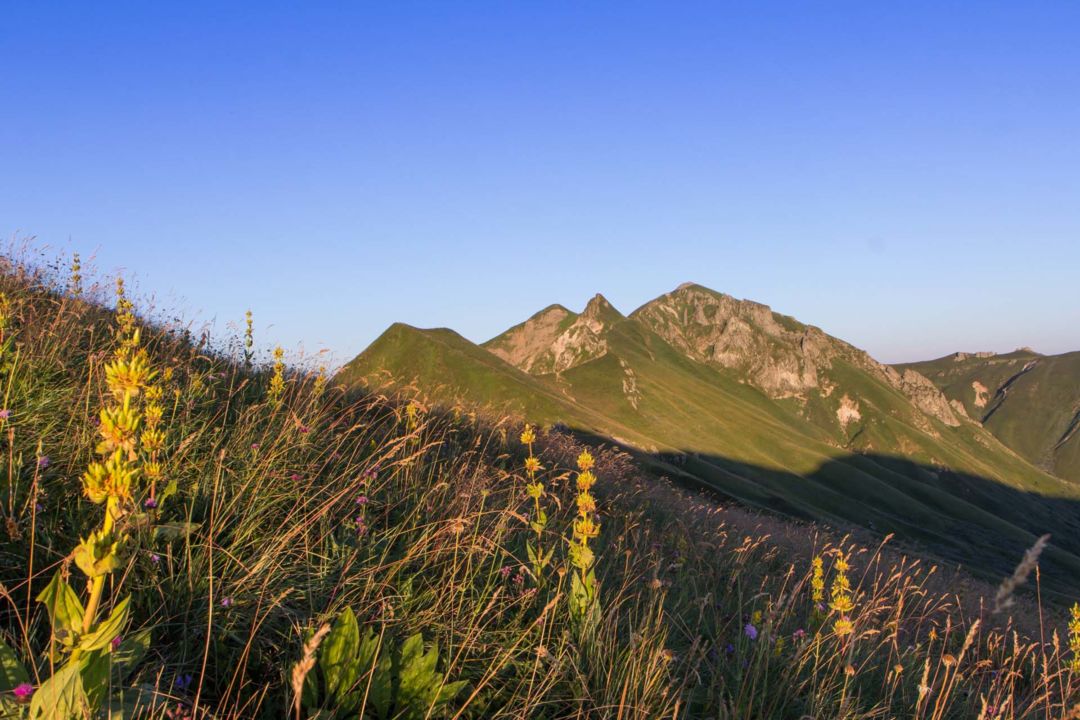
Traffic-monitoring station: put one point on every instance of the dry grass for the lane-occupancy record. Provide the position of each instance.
(303, 500)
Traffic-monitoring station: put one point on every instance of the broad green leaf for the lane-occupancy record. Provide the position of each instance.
(12, 672)
(65, 610)
(94, 668)
(61, 697)
(381, 694)
(107, 630)
(338, 652)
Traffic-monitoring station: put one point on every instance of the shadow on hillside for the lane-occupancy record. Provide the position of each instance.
(977, 522)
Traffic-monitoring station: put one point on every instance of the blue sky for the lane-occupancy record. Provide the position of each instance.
(904, 175)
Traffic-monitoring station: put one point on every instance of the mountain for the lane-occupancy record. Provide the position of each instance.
(1030, 402)
(727, 395)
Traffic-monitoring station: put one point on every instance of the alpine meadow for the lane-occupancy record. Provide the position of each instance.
(540, 361)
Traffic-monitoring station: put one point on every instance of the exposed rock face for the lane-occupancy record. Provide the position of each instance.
(556, 339)
(848, 412)
(779, 355)
(927, 397)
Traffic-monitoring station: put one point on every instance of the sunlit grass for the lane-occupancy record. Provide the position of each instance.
(489, 569)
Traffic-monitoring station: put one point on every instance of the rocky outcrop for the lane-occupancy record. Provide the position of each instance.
(556, 340)
(778, 354)
(926, 396)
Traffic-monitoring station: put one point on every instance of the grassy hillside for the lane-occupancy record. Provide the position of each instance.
(282, 548)
(695, 404)
(1030, 402)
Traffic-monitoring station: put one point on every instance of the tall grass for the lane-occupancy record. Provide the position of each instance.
(299, 503)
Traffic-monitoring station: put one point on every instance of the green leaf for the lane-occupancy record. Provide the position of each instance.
(12, 672)
(381, 694)
(61, 697)
(107, 630)
(94, 668)
(65, 610)
(419, 683)
(338, 653)
(167, 532)
(131, 652)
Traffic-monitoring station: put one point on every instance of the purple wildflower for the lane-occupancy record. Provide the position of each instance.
(295, 477)
(150, 503)
(116, 642)
(254, 446)
(43, 462)
(362, 500)
(183, 682)
(361, 526)
(155, 558)
(799, 634)
(505, 571)
(751, 631)
(226, 602)
(5, 414)
(23, 692)
(305, 429)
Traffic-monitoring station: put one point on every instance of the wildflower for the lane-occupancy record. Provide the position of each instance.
(183, 682)
(362, 500)
(532, 464)
(226, 602)
(755, 617)
(585, 461)
(304, 429)
(361, 526)
(295, 477)
(116, 642)
(505, 571)
(528, 437)
(5, 414)
(842, 602)
(150, 503)
(817, 581)
(277, 378)
(1074, 637)
(23, 692)
(729, 649)
(798, 634)
(751, 631)
(43, 462)
(155, 558)
(254, 446)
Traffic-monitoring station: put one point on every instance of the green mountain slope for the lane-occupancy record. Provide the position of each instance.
(1030, 402)
(727, 395)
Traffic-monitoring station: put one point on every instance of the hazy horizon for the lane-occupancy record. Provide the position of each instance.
(902, 177)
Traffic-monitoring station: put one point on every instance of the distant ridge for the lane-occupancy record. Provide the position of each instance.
(728, 395)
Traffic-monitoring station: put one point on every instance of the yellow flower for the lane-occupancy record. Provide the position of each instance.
(585, 461)
(1074, 637)
(586, 503)
(843, 627)
(842, 601)
(128, 377)
(113, 478)
(585, 481)
(118, 429)
(585, 529)
(532, 465)
(817, 582)
(528, 437)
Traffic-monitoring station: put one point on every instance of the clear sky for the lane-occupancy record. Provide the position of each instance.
(904, 175)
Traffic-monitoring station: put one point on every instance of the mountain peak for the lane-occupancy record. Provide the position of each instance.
(600, 309)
